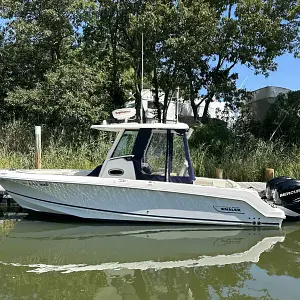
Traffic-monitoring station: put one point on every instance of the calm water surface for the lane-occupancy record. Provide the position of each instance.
(73, 260)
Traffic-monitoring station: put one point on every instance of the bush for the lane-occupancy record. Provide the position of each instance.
(283, 119)
(215, 135)
(70, 97)
(242, 157)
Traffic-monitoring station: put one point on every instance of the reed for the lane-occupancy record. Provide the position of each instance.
(241, 161)
(59, 149)
(247, 162)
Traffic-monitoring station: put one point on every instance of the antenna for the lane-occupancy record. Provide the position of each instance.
(236, 112)
(142, 79)
(243, 82)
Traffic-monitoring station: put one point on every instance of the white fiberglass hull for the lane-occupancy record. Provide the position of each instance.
(132, 200)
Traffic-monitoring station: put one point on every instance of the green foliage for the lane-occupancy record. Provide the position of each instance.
(214, 135)
(191, 44)
(60, 148)
(282, 121)
(243, 159)
(37, 35)
(246, 124)
(242, 156)
(71, 96)
(246, 160)
(218, 35)
(283, 118)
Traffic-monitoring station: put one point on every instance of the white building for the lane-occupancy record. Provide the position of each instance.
(178, 106)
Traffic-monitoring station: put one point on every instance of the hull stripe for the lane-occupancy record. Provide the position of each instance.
(137, 214)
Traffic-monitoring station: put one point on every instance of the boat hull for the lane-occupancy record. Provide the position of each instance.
(128, 200)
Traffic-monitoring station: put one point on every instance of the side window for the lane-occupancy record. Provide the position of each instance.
(155, 155)
(179, 162)
(126, 143)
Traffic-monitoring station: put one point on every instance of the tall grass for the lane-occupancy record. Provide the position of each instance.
(83, 150)
(245, 161)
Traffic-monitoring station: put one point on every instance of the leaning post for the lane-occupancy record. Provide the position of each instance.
(38, 146)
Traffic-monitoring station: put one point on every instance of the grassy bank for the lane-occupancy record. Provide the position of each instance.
(241, 162)
(248, 163)
(59, 149)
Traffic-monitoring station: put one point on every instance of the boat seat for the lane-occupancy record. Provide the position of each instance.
(222, 183)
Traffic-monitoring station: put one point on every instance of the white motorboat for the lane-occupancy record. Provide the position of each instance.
(147, 176)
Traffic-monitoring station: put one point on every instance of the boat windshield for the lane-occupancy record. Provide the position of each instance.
(126, 143)
(154, 158)
(152, 154)
(162, 155)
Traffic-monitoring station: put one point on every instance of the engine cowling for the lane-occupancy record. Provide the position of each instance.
(273, 183)
(287, 194)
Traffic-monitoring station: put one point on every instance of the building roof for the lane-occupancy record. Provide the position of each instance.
(135, 126)
(268, 92)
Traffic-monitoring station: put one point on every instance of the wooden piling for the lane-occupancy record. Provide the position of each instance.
(219, 173)
(38, 147)
(269, 174)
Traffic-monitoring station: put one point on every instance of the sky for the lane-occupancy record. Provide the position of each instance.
(286, 76)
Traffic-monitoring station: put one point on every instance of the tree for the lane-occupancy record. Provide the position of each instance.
(69, 97)
(283, 118)
(251, 33)
(101, 43)
(36, 36)
(191, 44)
(46, 76)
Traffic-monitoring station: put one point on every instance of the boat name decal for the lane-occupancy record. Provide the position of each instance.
(228, 209)
(289, 193)
(228, 241)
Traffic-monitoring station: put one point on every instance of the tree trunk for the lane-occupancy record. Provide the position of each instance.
(165, 108)
(156, 96)
(116, 91)
(194, 108)
(138, 96)
(138, 99)
(205, 116)
(193, 104)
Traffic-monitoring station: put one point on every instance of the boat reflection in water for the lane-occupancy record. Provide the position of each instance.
(142, 262)
(131, 247)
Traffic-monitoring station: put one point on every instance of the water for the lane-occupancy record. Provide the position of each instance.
(75, 260)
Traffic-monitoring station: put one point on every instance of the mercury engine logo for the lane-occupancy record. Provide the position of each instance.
(228, 209)
(297, 200)
(289, 193)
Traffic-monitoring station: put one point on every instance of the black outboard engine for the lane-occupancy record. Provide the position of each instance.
(287, 194)
(272, 184)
